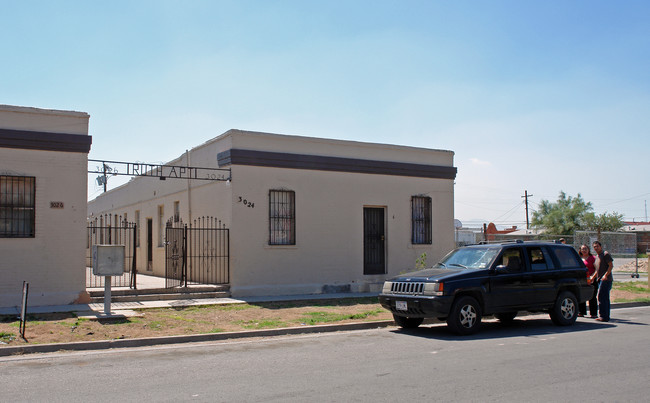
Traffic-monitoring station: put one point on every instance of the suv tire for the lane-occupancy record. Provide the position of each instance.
(565, 310)
(407, 323)
(465, 316)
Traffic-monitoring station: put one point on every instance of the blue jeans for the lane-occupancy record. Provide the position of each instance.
(603, 298)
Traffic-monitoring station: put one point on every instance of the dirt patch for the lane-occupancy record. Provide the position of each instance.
(66, 327)
(631, 267)
(632, 291)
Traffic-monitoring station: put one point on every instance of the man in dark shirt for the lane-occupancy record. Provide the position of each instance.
(604, 265)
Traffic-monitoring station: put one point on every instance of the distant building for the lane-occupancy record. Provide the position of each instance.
(43, 188)
(642, 231)
(305, 215)
(524, 234)
(494, 234)
(469, 236)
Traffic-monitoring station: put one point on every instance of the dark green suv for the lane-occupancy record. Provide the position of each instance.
(491, 279)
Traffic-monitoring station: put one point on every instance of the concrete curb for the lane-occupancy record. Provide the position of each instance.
(195, 338)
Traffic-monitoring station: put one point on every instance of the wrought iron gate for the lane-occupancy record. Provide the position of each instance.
(101, 232)
(198, 253)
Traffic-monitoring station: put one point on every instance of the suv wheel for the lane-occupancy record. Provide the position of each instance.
(565, 310)
(407, 323)
(465, 316)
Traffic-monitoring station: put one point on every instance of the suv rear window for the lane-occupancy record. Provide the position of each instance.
(566, 257)
(539, 258)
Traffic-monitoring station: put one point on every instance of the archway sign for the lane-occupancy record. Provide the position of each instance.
(160, 171)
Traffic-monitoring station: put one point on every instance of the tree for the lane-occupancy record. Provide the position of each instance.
(604, 222)
(571, 214)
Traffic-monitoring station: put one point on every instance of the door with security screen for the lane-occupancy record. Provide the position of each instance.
(374, 240)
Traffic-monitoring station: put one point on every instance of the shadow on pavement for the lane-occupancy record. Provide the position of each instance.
(520, 327)
(627, 322)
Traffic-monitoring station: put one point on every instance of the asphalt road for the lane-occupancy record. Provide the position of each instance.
(532, 360)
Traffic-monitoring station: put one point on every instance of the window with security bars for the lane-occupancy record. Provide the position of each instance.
(282, 217)
(421, 220)
(17, 207)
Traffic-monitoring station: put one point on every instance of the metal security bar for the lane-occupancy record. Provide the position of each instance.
(208, 252)
(374, 240)
(175, 254)
(421, 220)
(17, 211)
(282, 217)
(198, 253)
(99, 233)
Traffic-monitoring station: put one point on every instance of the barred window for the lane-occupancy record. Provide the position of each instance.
(421, 220)
(282, 217)
(17, 208)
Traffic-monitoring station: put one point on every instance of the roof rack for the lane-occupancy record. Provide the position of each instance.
(554, 241)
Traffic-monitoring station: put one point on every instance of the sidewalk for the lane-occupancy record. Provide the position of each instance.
(125, 308)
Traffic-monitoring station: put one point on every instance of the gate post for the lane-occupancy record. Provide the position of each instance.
(184, 270)
(134, 270)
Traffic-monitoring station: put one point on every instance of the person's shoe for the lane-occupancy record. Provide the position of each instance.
(602, 320)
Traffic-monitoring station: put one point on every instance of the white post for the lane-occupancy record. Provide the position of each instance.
(107, 295)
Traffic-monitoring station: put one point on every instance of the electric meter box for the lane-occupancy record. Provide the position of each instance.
(108, 260)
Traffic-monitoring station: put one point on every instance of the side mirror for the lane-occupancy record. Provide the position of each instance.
(501, 269)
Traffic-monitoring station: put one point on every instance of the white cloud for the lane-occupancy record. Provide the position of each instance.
(477, 161)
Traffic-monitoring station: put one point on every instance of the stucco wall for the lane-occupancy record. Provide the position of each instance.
(53, 261)
(46, 120)
(329, 212)
(329, 229)
(336, 148)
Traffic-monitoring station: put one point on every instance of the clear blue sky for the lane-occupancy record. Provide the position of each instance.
(544, 96)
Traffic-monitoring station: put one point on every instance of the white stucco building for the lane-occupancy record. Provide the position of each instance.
(306, 215)
(43, 200)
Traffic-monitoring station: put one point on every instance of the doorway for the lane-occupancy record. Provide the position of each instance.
(374, 240)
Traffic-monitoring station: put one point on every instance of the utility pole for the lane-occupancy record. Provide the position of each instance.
(526, 196)
(105, 178)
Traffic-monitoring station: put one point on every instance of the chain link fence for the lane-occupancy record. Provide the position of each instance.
(621, 245)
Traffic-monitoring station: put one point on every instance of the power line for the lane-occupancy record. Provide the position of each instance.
(499, 217)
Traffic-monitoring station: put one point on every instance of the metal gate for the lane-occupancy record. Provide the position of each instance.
(111, 229)
(198, 253)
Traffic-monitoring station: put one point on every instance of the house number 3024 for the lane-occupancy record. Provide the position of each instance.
(246, 203)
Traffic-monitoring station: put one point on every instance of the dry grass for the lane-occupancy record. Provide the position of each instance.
(67, 327)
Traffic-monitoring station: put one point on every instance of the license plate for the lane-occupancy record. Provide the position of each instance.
(401, 306)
